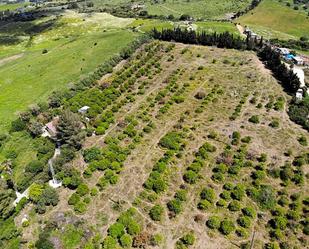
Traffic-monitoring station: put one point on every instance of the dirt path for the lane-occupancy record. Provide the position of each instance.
(11, 58)
(241, 30)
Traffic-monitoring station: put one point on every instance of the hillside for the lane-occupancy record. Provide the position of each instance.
(196, 137)
(273, 19)
(154, 124)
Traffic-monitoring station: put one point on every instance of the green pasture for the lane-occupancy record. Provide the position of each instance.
(273, 19)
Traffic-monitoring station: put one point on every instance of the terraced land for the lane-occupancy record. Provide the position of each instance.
(195, 150)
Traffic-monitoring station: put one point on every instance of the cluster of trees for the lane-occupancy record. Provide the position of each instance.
(299, 112)
(301, 44)
(125, 232)
(222, 40)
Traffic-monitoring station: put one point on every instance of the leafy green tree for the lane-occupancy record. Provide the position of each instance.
(226, 227)
(35, 192)
(208, 194)
(156, 212)
(126, 240)
(69, 129)
(213, 222)
(50, 196)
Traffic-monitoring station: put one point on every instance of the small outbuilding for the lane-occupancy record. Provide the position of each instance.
(84, 109)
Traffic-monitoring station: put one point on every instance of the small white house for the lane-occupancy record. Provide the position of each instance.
(299, 94)
(84, 109)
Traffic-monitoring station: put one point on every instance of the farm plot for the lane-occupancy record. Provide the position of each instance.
(188, 152)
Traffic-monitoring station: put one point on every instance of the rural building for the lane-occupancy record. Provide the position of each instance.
(84, 109)
(299, 94)
(50, 129)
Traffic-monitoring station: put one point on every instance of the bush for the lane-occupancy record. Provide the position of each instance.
(18, 125)
(116, 230)
(92, 154)
(204, 205)
(133, 228)
(109, 243)
(249, 212)
(171, 140)
(50, 196)
(181, 195)
(279, 222)
(190, 177)
(82, 189)
(174, 206)
(213, 222)
(274, 124)
(234, 206)
(303, 140)
(80, 207)
(74, 199)
(226, 227)
(238, 192)
(34, 167)
(188, 239)
(126, 240)
(244, 222)
(156, 212)
(208, 194)
(254, 119)
(35, 192)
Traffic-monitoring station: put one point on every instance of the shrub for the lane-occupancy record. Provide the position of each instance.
(126, 240)
(82, 189)
(249, 212)
(213, 222)
(50, 196)
(234, 206)
(226, 227)
(35, 192)
(116, 230)
(18, 125)
(303, 140)
(174, 206)
(279, 222)
(204, 205)
(171, 140)
(208, 194)
(188, 239)
(133, 228)
(181, 195)
(274, 124)
(225, 195)
(109, 243)
(94, 191)
(80, 207)
(34, 167)
(244, 221)
(190, 177)
(238, 192)
(156, 212)
(92, 154)
(254, 119)
(74, 199)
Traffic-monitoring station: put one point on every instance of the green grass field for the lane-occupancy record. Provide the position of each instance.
(145, 25)
(75, 47)
(12, 6)
(273, 19)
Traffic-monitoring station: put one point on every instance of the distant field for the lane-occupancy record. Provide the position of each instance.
(197, 8)
(146, 25)
(75, 47)
(11, 6)
(273, 19)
